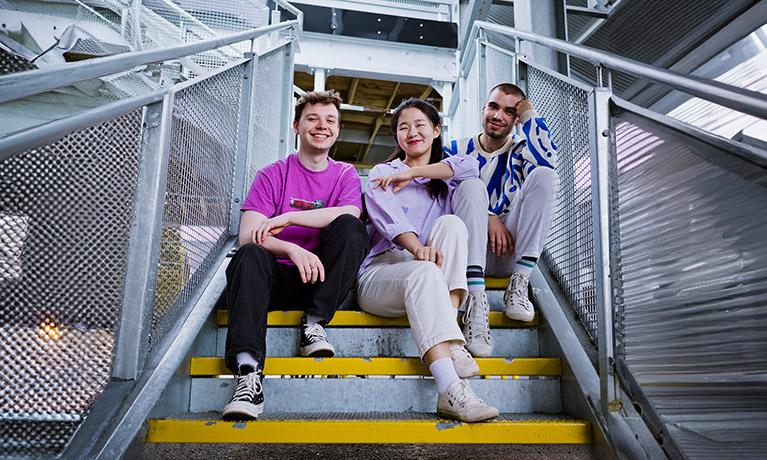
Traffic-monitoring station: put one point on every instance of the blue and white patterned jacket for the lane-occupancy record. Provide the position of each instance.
(504, 170)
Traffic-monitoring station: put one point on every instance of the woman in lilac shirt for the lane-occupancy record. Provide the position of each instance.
(417, 262)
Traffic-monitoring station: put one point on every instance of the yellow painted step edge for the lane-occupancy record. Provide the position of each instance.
(380, 366)
(362, 319)
(496, 283)
(370, 431)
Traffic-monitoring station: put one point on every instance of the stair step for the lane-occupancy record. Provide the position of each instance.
(376, 393)
(386, 341)
(381, 427)
(496, 283)
(379, 366)
(362, 319)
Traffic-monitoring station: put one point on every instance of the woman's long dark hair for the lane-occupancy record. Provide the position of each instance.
(437, 187)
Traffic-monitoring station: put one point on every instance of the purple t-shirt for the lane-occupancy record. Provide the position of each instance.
(287, 185)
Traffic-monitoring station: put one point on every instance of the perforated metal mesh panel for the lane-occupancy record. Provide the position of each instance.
(693, 318)
(269, 97)
(569, 249)
(199, 186)
(65, 211)
(10, 63)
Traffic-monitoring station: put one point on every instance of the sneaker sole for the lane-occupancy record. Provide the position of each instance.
(241, 410)
(318, 351)
(520, 316)
(465, 372)
(486, 415)
(479, 351)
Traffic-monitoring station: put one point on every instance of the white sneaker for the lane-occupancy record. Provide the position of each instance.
(313, 340)
(464, 364)
(476, 329)
(518, 306)
(460, 403)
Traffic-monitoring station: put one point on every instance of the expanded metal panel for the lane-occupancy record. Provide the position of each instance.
(269, 98)
(199, 187)
(167, 23)
(569, 248)
(65, 213)
(694, 261)
(499, 68)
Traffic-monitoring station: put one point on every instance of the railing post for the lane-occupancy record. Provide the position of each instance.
(144, 246)
(242, 161)
(599, 125)
(481, 67)
(286, 117)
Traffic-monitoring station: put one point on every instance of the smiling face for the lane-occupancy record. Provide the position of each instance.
(499, 114)
(317, 128)
(415, 134)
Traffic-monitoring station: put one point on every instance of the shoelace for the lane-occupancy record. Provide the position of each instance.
(472, 311)
(247, 388)
(315, 332)
(518, 288)
(463, 396)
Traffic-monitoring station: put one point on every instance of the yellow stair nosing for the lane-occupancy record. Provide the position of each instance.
(379, 366)
(363, 319)
(496, 283)
(370, 431)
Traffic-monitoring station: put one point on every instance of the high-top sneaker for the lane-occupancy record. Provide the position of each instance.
(518, 306)
(248, 399)
(476, 329)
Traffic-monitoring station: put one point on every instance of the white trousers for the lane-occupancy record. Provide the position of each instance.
(395, 284)
(528, 220)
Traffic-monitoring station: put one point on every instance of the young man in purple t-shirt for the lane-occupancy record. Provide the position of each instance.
(301, 243)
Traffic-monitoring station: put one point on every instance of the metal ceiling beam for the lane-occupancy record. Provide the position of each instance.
(375, 59)
(477, 10)
(378, 123)
(725, 37)
(441, 11)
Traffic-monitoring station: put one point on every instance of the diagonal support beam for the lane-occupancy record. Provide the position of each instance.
(378, 123)
(353, 90)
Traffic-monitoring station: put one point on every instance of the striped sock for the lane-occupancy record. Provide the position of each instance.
(525, 264)
(475, 276)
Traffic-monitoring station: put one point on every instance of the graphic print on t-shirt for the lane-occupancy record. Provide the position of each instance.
(306, 205)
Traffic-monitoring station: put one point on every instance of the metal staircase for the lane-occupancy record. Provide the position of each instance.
(117, 213)
(374, 390)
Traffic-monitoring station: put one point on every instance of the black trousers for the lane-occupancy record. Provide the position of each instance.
(257, 284)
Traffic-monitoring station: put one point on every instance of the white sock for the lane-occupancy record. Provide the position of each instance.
(246, 357)
(311, 319)
(444, 373)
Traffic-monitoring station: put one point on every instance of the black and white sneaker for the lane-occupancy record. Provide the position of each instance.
(248, 400)
(314, 341)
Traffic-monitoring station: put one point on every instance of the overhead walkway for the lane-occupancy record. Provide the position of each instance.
(116, 222)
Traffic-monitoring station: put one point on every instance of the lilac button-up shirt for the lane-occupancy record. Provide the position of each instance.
(411, 209)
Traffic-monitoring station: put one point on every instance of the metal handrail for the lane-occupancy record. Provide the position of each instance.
(12, 87)
(299, 16)
(54, 130)
(743, 100)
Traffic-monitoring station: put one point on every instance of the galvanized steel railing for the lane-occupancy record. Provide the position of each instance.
(109, 222)
(616, 237)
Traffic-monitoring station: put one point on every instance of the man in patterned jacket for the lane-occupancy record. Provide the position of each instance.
(520, 195)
